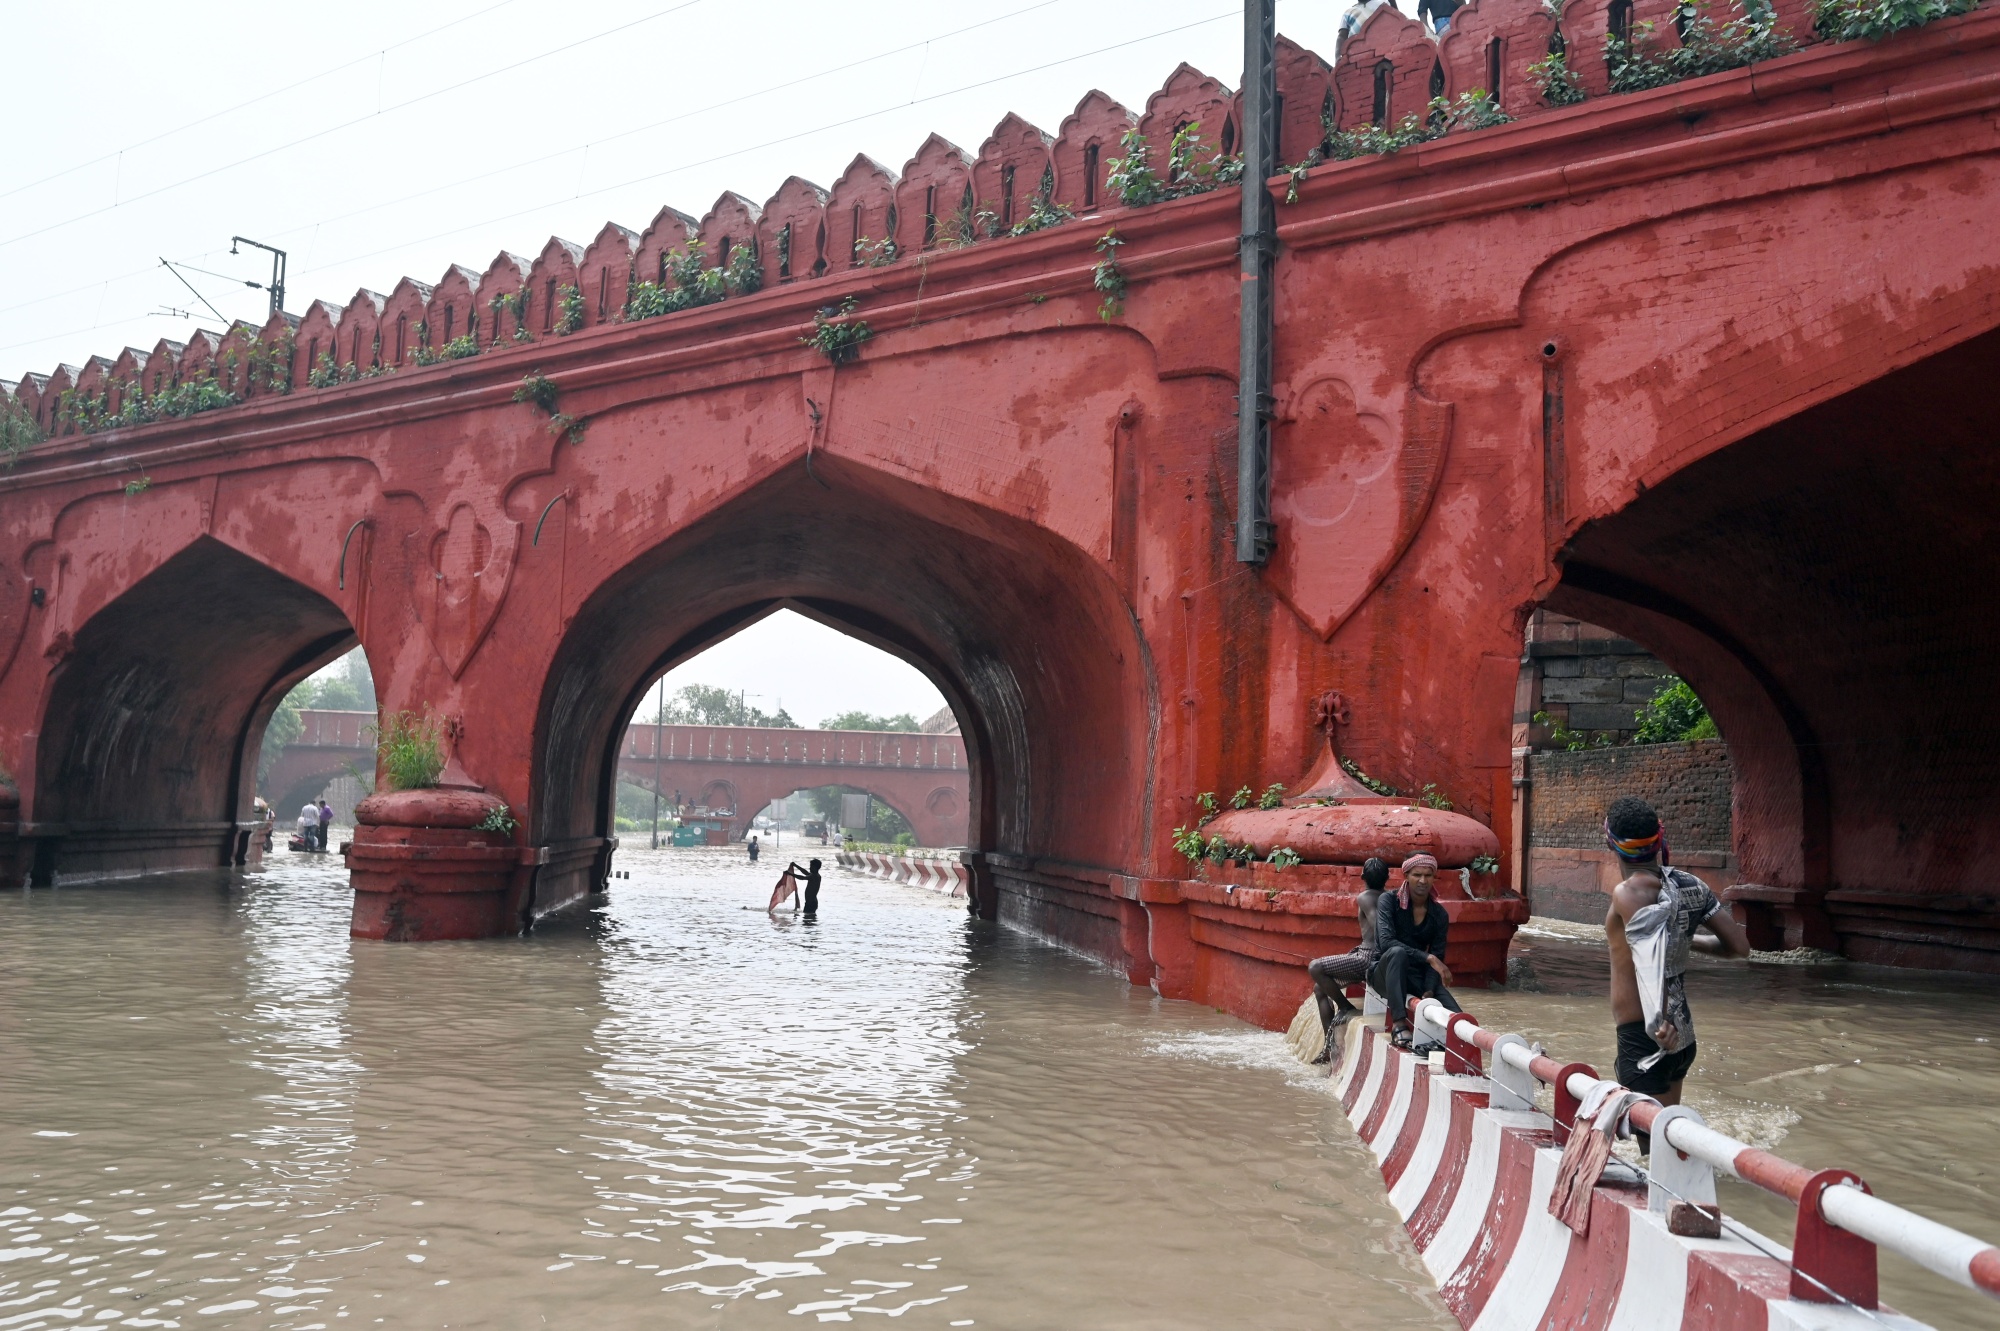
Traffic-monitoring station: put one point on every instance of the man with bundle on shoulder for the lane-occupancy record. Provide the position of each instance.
(1651, 925)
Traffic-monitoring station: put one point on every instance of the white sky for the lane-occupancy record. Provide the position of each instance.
(137, 131)
(812, 671)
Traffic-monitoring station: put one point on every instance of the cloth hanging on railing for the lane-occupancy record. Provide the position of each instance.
(1599, 1119)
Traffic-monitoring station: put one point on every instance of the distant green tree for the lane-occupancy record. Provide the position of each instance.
(884, 823)
(710, 705)
(858, 720)
(1675, 713)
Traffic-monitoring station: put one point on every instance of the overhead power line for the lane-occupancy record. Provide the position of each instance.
(349, 124)
(708, 161)
(260, 97)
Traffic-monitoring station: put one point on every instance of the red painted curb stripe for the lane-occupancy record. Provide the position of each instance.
(1593, 1274)
(1468, 1288)
(1398, 1158)
(1393, 1072)
(1429, 1215)
(1359, 1079)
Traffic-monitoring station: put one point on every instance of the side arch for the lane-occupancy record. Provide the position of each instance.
(154, 715)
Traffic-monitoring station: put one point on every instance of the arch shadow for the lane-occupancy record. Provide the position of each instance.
(1824, 585)
(152, 724)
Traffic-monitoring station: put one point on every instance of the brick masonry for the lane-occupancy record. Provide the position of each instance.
(1569, 872)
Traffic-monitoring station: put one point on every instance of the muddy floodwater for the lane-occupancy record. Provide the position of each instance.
(673, 1111)
(670, 1111)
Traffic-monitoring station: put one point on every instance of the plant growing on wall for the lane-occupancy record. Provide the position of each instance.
(325, 373)
(138, 485)
(837, 334)
(1241, 799)
(1485, 864)
(539, 391)
(499, 818)
(1353, 769)
(1575, 741)
(460, 347)
(1674, 714)
(1107, 278)
(410, 748)
(1284, 857)
(875, 253)
(1433, 798)
(1273, 796)
(1872, 20)
(1706, 47)
(18, 430)
(1555, 80)
(569, 310)
(688, 282)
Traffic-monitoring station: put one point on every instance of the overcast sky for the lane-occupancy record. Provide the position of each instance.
(375, 139)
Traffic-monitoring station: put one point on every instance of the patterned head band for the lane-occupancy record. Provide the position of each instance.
(1638, 847)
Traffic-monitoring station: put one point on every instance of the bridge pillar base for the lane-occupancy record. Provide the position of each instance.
(421, 873)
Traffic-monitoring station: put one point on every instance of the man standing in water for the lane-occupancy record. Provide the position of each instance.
(753, 847)
(809, 876)
(325, 821)
(1332, 975)
(1410, 934)
(1651, 928)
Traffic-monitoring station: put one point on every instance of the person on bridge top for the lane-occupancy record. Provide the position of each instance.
(1411, 928)
(1351, 21)
(810, 877)
(1332, 975)
(753, 847)
(1651, 928)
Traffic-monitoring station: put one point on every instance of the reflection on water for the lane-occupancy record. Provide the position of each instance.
(217, 1111)
(1893, 1074)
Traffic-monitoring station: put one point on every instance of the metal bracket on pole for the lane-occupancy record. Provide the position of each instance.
(1257, 248)
(1676, 1177)
(1511, 1087)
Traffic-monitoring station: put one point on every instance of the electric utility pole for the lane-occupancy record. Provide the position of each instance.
(1257, 249)
(278, 258)
(659, 737)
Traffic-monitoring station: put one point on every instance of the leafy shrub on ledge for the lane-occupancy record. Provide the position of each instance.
(1191, 169)
(689, 282)
(1555, 80)
(1872, 20)
(1707, 47)
(18, 430)
(1472, 110)
(837, 334)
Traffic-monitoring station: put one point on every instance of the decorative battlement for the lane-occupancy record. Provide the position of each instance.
(1515, 58)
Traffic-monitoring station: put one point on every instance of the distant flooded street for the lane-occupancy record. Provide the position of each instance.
(217, 1111)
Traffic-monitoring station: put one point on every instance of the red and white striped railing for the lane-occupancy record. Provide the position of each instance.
(1471, 1163)
(1840, 1223)
(938, 875)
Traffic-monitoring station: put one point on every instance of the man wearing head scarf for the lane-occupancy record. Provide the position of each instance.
(1650, 927)
(1411, 928)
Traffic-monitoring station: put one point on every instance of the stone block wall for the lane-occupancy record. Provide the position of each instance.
(1584, 678)
(1567, 872)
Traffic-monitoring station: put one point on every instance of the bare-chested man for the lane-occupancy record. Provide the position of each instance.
(1661, 909)
(1332, 975)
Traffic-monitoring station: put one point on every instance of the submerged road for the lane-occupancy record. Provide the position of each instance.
(220, 1111)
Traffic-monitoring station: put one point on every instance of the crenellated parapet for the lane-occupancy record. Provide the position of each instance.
(1530, 57)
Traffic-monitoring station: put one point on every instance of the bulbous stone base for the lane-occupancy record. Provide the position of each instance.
(421, 873)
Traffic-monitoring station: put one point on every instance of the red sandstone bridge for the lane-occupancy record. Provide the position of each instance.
(739, 768)
(1708, 365)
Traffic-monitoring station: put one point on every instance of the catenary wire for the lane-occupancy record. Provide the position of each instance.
(689, 166)
(260, 97)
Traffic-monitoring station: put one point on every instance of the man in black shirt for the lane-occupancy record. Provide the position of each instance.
(809, 876)
(1411, 929)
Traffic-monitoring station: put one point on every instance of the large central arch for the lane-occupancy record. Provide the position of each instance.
(1026, 637)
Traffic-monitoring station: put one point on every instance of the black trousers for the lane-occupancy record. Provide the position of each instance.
(1402, 973)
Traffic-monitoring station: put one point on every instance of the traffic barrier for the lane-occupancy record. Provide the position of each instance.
(944, 876)
(1470, 1163)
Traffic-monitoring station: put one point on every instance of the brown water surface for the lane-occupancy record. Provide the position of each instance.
(669, 1111)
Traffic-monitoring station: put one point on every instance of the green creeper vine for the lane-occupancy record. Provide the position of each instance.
(569, 310)
(1107, 278)
(539, 391)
